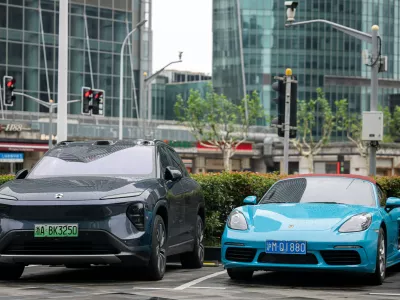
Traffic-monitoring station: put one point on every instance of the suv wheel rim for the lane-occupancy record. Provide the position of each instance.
(382, 257)
(161, 261)
(200, 237)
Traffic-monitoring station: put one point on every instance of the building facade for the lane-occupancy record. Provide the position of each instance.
(29, 53)
(97, 28)
(172, 83)
(252, 37)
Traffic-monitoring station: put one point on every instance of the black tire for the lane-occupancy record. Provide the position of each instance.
(380, 272)
(158, 257)
(195, 259)
(11, 272)
(237, 274)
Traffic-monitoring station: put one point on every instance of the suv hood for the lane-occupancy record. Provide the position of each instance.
(77, 188)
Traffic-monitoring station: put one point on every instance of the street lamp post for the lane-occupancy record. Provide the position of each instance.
(366, 37)
(121, 77)
(147, 83)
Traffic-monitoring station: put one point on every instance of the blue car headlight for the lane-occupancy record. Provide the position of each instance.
(357, 223)
(236, 220)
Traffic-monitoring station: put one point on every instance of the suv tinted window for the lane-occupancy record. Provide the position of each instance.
(177, 161)
(164, 161)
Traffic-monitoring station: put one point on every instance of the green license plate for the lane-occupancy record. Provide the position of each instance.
(56, 230)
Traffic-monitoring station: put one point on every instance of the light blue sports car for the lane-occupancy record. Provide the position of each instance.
(314, 222)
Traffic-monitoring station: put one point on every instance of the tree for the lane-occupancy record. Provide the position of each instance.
(310, 115)
(351, 125)
(391, 123)
(216, 122)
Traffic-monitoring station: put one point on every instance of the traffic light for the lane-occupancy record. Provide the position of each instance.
(98, 102)
(8, 88)
(280, 87)
(87, 94)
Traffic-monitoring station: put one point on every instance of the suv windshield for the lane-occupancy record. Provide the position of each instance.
(88, 160)
(321, 189)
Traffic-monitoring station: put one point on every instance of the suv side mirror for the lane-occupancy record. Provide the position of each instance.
(173, 174)
(21, 174)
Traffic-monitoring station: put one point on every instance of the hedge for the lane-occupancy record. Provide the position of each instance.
(227, 190)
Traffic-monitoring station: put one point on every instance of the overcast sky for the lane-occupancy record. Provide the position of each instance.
(182, 25)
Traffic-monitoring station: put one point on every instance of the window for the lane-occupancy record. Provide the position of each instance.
(321, 189)
(96, 161)
(177, 162)
(381, 196)
(164, 162)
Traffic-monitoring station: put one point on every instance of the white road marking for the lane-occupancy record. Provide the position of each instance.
(208, 287)
(151, 288)
(194, 282)
(384, 294)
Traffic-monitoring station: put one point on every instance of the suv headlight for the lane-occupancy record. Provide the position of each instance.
(357, 223)
(236, 220)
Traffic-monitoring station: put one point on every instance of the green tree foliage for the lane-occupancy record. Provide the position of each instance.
(310, 114)
(391, 123)
(216, 122)
(351, 125)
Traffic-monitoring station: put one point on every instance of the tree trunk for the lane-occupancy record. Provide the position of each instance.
(227, 159)
(310, 159)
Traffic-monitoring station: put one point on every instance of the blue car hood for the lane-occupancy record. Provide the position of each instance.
(301, 216)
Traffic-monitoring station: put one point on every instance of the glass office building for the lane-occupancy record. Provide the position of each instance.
(312, 51)
(29, 53)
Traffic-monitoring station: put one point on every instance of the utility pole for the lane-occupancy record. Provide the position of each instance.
(62, 107)
(288, 80)
(374, 95)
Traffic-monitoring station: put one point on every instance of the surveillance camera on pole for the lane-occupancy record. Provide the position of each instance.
(291, 10)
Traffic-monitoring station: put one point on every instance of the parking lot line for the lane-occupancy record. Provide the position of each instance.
(198, 280)
(384, 294)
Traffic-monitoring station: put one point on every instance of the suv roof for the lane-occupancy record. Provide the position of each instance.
(127, 142)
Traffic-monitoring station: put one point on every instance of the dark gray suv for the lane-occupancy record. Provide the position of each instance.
(129, 203)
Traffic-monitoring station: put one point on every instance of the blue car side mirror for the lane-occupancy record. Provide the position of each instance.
(250, 200)
(392, 202)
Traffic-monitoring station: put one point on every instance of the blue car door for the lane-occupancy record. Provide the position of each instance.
(391, 219)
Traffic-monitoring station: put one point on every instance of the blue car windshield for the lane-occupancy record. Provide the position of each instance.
(84, 160)
(321, 190)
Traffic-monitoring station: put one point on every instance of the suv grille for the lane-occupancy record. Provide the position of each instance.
(240, 254)
(89, 243)
(341, 257)
(295, 259)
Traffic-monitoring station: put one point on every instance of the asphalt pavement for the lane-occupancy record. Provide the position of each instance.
(103, 283)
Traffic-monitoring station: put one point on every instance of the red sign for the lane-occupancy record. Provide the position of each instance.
(241, 147)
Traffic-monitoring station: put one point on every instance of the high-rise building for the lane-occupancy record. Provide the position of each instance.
(265, 47)
(97, 28)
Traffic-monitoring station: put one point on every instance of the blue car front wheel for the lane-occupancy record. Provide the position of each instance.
(237, 274)
(380, 272)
